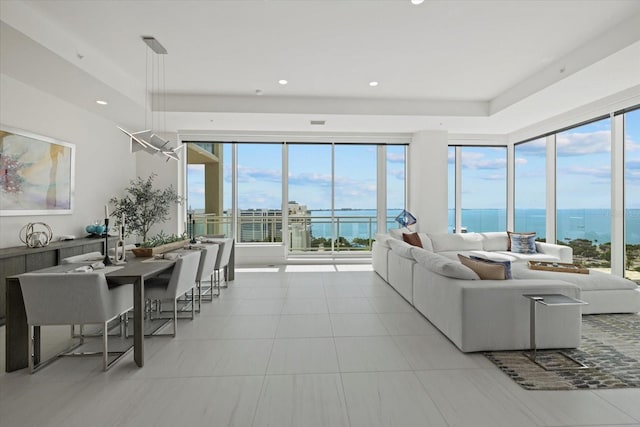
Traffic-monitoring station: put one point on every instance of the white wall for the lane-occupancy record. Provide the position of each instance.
(104, 165)
(427, 164)
(169, 173)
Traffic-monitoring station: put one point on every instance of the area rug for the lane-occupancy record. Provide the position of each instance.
(610, 348)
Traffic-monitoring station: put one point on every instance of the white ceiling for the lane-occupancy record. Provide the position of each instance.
(463, 65)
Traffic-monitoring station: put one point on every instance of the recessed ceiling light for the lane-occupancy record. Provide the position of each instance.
(101, 102)
(373, 84)
(283, 82)
(416, 2)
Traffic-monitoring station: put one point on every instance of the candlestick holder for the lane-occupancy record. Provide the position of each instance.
(120, 257)
(106, 260)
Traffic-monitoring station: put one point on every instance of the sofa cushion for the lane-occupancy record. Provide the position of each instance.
(518, 235)
(485, 270)
(442, 265)
(523, 258)
(383, 239)
(412, 238)
(401, 248)
(456, 242)
(595, 280)
(396, 233)
(495, 241)
(426, 241)
(507, 264)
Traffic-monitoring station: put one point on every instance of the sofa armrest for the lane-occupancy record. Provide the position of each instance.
(563, 253)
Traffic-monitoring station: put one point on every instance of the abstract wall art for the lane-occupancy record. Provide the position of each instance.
(36, 174)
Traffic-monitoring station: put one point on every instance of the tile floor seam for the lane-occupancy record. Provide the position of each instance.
(615, 406)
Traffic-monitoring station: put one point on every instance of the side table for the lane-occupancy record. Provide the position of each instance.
(550, 300)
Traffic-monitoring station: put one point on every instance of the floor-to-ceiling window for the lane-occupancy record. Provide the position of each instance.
(632, 194)
(310, 195)
(396, 189)
(484, 189)
(451, 189)
(209, 187)
(583, 192)
(355, 195)
(332, 192)
(259, 169)
(530, 187)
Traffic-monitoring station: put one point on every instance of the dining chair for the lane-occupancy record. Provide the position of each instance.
(222, 261)
(181, 281)
(90, 257)
(207, 266)
(71, 299)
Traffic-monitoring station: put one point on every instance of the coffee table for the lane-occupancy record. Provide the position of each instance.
(549, 300)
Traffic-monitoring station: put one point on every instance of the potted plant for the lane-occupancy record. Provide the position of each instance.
(143, 206)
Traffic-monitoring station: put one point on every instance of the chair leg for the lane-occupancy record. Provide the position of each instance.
(175, 317)
(193, 303)
(199, 296)
(31, 355)
(105, 342)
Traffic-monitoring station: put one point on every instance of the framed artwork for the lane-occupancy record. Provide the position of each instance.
(36, 174)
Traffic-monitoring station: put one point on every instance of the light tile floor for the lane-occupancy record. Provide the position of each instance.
(299, 346)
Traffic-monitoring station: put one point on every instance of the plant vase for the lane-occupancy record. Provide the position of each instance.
(149, 252)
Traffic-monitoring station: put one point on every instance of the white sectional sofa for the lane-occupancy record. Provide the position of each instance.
(482, 315)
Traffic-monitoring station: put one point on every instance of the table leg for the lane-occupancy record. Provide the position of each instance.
(16, 328)
(138, 322)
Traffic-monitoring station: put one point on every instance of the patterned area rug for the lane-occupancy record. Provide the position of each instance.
(610, 349)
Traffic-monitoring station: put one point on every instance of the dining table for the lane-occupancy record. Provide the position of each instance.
(135, 271)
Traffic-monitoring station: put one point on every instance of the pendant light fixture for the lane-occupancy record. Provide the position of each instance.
(147, 139)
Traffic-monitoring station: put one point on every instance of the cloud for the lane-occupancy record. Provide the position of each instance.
(478, 161)
(396, 173)
(249, 174)
(583, 143)
(395, 157)
(310, 179)
(537, 147)
(494, 177)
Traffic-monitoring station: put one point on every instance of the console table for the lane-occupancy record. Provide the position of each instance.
(21, 259)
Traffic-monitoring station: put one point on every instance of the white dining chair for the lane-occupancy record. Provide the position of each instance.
(206, 268)
(222, 261)
(71, 299)
(181, 281)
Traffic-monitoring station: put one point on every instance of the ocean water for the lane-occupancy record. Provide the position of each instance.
(591, 224)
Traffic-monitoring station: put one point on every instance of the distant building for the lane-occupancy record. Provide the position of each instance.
(299, 227)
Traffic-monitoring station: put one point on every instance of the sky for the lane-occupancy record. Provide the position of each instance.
(310, 178)
(583, 173)
(583, 170)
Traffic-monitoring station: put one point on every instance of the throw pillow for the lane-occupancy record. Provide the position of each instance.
(507, 264)
(522, 243)
(412, 238)
(484, 270)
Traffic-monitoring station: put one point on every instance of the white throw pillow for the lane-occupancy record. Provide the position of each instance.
(442, 265)
(456, 242)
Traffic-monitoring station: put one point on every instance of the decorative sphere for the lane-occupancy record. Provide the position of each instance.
(90, 228)
(99, 229)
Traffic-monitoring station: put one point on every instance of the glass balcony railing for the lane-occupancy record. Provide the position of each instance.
(305, 233)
